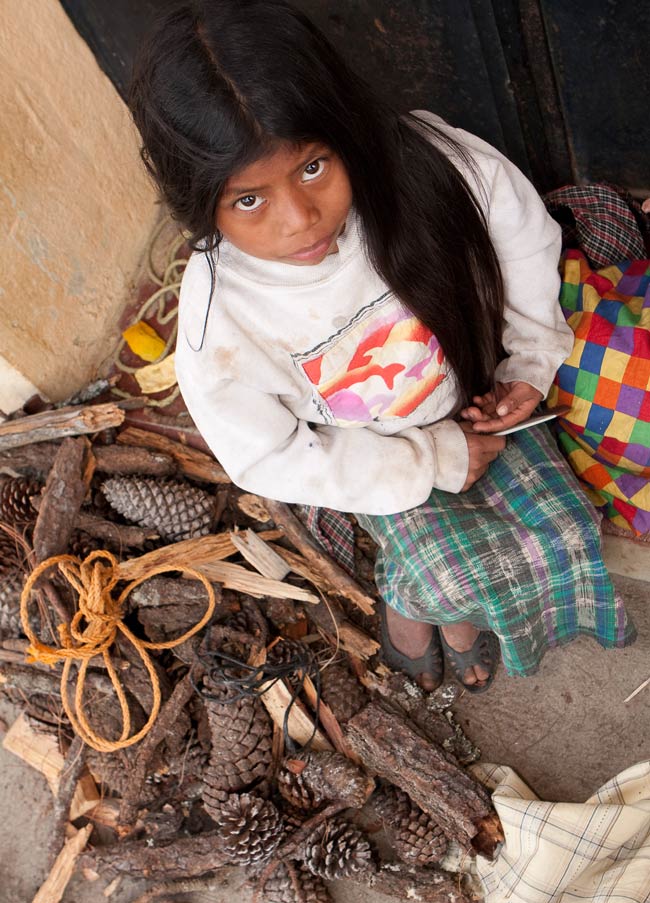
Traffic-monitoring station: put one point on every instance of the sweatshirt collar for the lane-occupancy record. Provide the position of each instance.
(269, 272)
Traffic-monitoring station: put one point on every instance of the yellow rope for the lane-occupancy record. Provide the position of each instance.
(92, 632)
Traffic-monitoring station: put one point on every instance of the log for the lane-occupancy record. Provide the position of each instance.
(190, 461)
(389, 746)
(57, 424)
(62, 497)
(127, 460)
(408, 882)
(189, 857)
(339, 581)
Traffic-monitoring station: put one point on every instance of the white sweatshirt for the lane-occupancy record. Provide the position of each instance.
(314, 385)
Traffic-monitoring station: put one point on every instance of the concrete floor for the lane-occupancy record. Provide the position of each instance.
(566, 731)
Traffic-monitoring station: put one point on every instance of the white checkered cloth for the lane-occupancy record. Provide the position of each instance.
(565, 852)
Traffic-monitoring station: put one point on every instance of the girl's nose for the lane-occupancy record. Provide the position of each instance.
(298, 213)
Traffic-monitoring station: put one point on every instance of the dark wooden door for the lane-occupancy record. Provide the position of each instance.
(560, 87)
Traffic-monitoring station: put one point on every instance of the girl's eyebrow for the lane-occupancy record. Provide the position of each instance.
(235, 190)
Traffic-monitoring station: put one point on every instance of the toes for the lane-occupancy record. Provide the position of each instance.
(427, 682)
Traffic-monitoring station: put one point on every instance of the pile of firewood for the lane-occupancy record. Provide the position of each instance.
(277, 747)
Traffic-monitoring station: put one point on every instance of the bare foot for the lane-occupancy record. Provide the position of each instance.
(461, 637)
(411, 638)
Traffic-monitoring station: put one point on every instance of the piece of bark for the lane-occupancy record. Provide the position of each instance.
(340, 582)
(408, 882)
(52, 425)
(128, 459)
(56, 882)
(62, 497)
(190, 461)
(33, 460)
(389, 746)
(188, 857)
(167, 717)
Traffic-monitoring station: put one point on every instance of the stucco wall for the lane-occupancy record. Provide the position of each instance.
(76, 207)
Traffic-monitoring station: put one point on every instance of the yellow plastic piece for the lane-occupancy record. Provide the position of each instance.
(144, 341)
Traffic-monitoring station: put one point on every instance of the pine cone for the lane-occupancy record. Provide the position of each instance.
(250, 829)
(15, 505)
(241, 753)
(336, 849)
(342, 692)
(82, 544)
(309, 778)
(11, 585)
(10, 554)
(280, 888)
(416, 837)
(176, 510)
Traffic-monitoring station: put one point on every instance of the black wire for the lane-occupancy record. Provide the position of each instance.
(248, 680)
(211, 265)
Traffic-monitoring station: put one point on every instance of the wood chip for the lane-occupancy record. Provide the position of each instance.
(56, 882)
(256, 552)
(41, 751)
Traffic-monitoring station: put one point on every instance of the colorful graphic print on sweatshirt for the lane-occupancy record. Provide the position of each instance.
(381, 365)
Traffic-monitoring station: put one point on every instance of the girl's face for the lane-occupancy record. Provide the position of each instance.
(290, 206)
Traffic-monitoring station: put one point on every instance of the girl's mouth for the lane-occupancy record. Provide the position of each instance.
(312, 252)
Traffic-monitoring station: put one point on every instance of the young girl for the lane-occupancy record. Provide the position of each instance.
(373, 296)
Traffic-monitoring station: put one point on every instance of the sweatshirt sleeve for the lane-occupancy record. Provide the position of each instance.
(527, 240)
(265, 449)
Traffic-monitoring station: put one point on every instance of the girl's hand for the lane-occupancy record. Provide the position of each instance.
(508, 405)
(482, 451)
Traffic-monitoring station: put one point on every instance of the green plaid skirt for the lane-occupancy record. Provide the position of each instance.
(518, 554)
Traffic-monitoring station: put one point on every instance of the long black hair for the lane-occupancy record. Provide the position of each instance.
(220, 84)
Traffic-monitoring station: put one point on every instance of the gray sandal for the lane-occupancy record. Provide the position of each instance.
(431, 662)
(484, 652)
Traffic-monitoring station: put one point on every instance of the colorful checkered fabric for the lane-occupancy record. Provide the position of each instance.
(603, 221)
(518, 554)
(606, 381)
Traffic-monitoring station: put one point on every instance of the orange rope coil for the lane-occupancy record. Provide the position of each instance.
(92, 632)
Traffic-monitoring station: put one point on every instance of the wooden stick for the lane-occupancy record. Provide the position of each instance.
(127, 459)
(56, 882)
(339, 581)
(190, 461)
(74, 764)
(277, 698)
(121, 535)
(57, 424)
